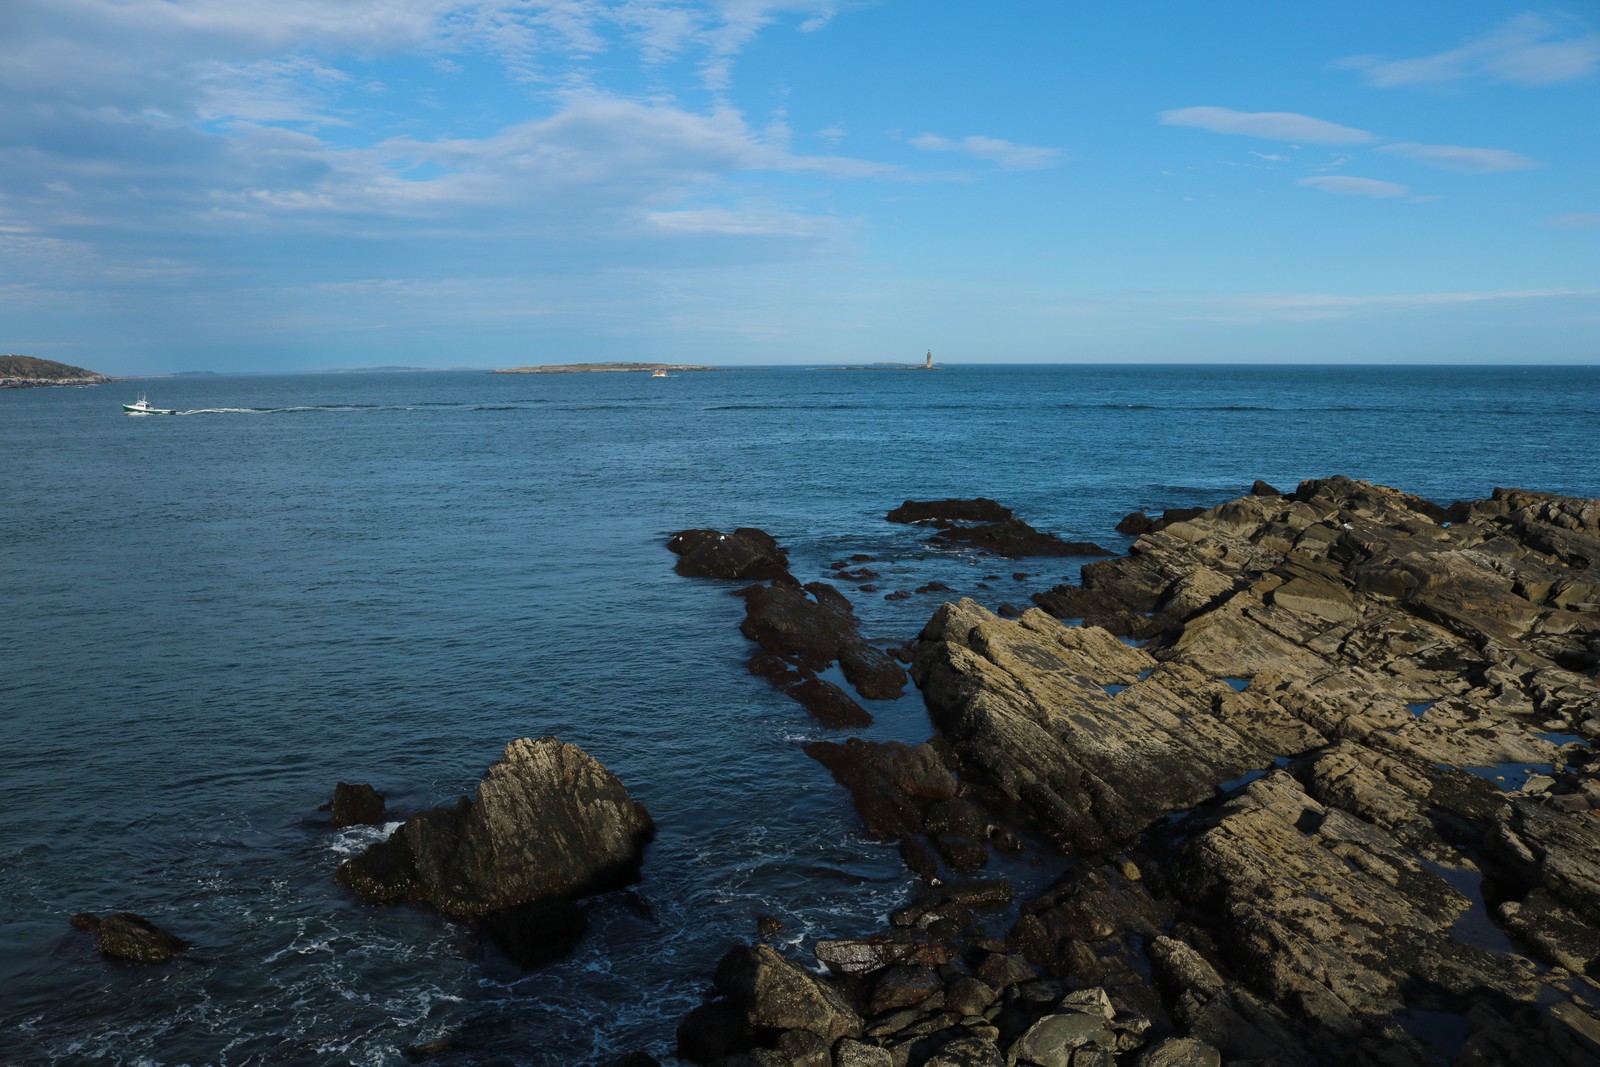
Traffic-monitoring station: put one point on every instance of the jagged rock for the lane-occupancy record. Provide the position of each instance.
(1261, 488)
(827, 703)
(745, 554)
(356, 805)
(864, 954)
(1181, 1051)
(776, 994)
(1135, 523)
(548, 821)
(787, 622)
(978, 509)
(123, 935)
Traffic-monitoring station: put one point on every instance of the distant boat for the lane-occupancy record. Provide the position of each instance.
(659, 372)
(142, 407)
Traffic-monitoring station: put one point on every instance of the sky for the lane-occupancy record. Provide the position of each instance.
(286, 185)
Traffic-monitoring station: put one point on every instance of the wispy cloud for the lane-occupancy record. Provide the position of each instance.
(1306, 307)
(1529, 50)
(1003, 153)
(1348, 185)
(1270, 125)
(1462, 159)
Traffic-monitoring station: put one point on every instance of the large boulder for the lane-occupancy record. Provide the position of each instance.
(548, 822)
(774, 993)
(125, 936)
(746, 553)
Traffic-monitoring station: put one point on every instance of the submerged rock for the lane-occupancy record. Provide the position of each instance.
(1015, 539)
(977, 509)
(547, 822)
(123, 935)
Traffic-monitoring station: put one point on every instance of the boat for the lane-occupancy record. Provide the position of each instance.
(659, 372)
(142, 407)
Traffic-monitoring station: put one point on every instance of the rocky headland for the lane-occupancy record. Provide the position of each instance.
(25, 372)
(1319, 768)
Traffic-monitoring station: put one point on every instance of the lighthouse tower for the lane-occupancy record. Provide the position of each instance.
(929, 365)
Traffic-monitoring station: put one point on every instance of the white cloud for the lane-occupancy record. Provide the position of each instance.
(1528, 50)
(1270, 125)
(1463, 159)
(1347, 185)
(1574, 220)
(1004, 153)
(1270, 157)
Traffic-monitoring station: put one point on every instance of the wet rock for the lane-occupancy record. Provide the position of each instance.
(978, 509)
(802, 1048)
(1261, 488)
(123, 935)
(1135, 523)
(745, 554)
(891, 783)
(827, 703)
(810, 633)
(864, 954)
(967, 1051)
(968, 996)
(547, 821)
(776, 994)
(1015, 539)
(356, 805)
(849, 1053)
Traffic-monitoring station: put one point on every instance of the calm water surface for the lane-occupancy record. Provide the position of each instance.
(209, 620)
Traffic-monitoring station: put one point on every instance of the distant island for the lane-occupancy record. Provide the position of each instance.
(600, 368)
(24, 372)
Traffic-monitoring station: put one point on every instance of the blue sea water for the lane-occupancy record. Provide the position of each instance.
(209, 620)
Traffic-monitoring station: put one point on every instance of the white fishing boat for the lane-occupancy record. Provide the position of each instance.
(659, 372)
(142, 407)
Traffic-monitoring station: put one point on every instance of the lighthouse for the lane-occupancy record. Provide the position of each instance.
(929, 365)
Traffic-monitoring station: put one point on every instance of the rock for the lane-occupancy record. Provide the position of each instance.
(864, 954)
(1051, 1041)
(356, 805)
(123, 935)
(768, 926)
(775, 994)
(1182, 1051)
(1015, 539)
(809, 633)
(1261, 488)
(827, 703)
(848, 1053)
(899, 986)
(890, 782)
(1135, 523)
(537, 933)
(548, 821)
(713, 1031)
(802, 1048)
(978, 509)
(745, 554)
(968, 996)
(966, 1051)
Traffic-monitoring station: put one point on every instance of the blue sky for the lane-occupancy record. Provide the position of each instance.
(295, 184)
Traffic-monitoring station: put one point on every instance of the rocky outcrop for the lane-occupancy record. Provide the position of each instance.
(355, 805)
(744, 554)
(811, 628)
(987, 525)
(1324, 765)
(125, 936)
(548, 823)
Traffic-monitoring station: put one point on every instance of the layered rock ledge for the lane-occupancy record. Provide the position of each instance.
(1323, 767)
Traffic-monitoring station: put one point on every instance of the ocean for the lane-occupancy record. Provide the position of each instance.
(211, 619)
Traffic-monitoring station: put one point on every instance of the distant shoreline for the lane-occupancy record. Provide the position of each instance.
(601, 368)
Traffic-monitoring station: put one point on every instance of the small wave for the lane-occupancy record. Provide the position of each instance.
(354, 839)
